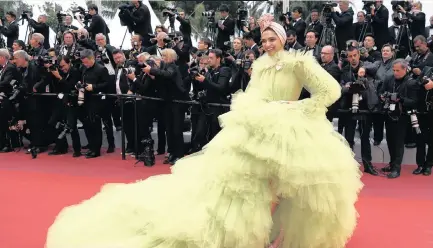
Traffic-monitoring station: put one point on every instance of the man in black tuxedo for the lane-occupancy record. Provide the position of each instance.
(11, 31)
(251, 44)
(395, 32)
(379, 23)
(8, 73)
(297, 24)
(344, 24)
(41, 27)
(97, 24)
(311, 39)
(66, 26)
(225, 27)
(315, 24)
(140, 20)
(291, 42)
(32, 108)
(362, 26)
(96, 79)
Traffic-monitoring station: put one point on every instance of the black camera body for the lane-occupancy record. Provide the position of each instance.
(169, 12)
(17, 91)
(195, 71)
(244, 64)
(367, 6)
(124, 7)
(407, 6)
(83, 13)
(45, 60)
(426, 74)
(327, 8)
(209, 14)
(391, 100)
(282, 18)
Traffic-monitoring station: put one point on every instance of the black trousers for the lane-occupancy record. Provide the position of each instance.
(75, 113)
(396, 129)
(161, 118)
(349, 126)
(58, 114)
(378, 126)
(106, 112)
(425, 138)
(214, 125)
(6, 114)
(365, 125)
(174, 119)
(92, 124)
(36, 120)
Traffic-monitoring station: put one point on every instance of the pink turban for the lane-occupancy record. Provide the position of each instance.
(267, 22)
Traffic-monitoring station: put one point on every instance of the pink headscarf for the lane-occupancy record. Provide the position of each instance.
(267, 21)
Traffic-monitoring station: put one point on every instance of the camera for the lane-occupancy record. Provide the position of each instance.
(45, 60)
(65, 130)
(150, 62)
(414, 120)
(328, 6)
(208, 14)
(81, 87)
(244, 63)
(124, 7)
(26, 13)
(195, 71)
(405, 4)
(426, 74)
(288, 15)
(17, 90)
(60, 15)
(356, 88)
(201, 95)
(242, 14)
(83, 14)
(390, 100)
(129, 70)
(169, 12)
(368, 4)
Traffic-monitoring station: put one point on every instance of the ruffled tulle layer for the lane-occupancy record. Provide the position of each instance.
(220, 198)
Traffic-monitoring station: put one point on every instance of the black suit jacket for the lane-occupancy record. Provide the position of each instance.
(295, 46)
(404, 41)
(360, 28)
(314, 26)
(97, 26)
(142, 23)
(217, 84)
(171, 85)
(299, 27)
(9, 73)
(427, 31)
(43, 29)
(344, 27)
(11, 32)
(224, 35)
(380, 26)
(417, 23)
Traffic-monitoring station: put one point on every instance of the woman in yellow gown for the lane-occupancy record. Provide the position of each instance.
(272, 149)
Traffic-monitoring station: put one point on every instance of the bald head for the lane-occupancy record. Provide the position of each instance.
(327, 54)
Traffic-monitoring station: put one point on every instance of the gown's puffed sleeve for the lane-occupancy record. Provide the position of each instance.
(324, 89)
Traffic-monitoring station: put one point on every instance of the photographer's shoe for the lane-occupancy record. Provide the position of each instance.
(427, 171)
(6, 149)
(110, 149)
(418, 170)
(393, 174)
(368, 168)
(92, 155)
(57, 152)
(76, 154)
(386, 169)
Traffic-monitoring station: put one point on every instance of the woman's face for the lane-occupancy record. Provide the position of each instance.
(386, 52)
(270, 42)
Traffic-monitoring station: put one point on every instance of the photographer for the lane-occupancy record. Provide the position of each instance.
(171, 87)
(362, 26)
(296, 23)
(185, 25)
(424, 159)
(8, 73)
(32, 108)
(344, 24)
(311, 39)
(243, 71)
(65, 25)
(145, 85)
(416, 18)
(225, 27)
(400, 95)
(162, 40)
(250, 44)
(369, 51)
(292, 43)
(422, 57)
(94, 79)
(399, 40)
(138, 18)
(69, 46)
(67, 109)
(36, 43)
(216, 83)
(40, 27)
(11, 31)
(253, 28)
(315, 24)
(379, 23)
(105, 57)
(84, 40)
(328, 63)
(97, 24)
(137, 48)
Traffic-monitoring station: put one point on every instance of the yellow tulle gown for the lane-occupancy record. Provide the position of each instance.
(221, 197)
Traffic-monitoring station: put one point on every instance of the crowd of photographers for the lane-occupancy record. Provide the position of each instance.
(385, 74)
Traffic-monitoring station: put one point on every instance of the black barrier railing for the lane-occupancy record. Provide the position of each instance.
(123, 97)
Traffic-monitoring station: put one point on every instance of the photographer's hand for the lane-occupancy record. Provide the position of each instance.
(89, 87)
(429, 85)
(131, 76)
(147, 69)
(416, 71)
(401, 9)
(56, 74)
(200, 78)
(361, 72)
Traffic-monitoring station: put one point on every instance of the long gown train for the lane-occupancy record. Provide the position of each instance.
(220, 198)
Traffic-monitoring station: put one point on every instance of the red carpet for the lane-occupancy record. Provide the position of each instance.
(394, 213)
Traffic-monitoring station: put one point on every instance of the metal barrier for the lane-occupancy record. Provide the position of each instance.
(123, 97)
